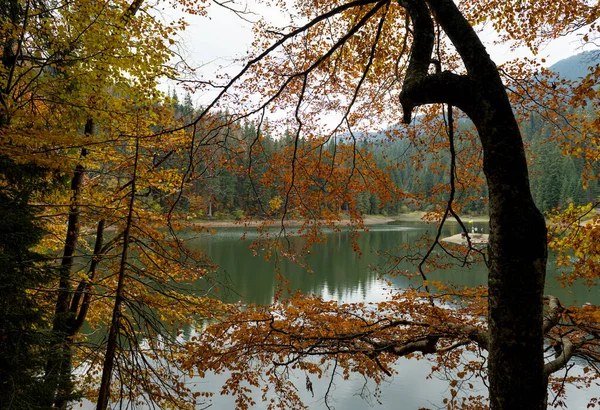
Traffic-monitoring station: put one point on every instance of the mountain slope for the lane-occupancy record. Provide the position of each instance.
(576, 67)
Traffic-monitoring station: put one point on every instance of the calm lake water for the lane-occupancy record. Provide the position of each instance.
(340, 274)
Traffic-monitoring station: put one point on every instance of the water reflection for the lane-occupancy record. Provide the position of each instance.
(339, 273)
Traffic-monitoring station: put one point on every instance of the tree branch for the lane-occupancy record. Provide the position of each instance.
(553, 316)
(427, 345)
(423, 40)
(567, 352)
(421, 88)
(464, 38)
(445, 87)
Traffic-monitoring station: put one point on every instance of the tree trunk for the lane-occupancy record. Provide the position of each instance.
(59, 366)
(517, 255)
(114, 330)
(517, 243)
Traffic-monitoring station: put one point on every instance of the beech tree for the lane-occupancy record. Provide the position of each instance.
(113, 169)
(77, 91)
(379, 60)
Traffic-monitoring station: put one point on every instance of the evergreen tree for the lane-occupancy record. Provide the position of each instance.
(22, 273)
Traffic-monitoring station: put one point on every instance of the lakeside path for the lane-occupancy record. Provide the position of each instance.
(369, 220)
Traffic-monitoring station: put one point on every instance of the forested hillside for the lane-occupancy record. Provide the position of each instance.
(576, 67)
(344, 108)
(556, 178)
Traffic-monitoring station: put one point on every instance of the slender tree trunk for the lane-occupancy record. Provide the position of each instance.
(58, 366)
(83, 292)
(15, 16)
(76, 318)
(113, 333)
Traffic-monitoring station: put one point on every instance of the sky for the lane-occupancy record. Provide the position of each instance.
(212, 43)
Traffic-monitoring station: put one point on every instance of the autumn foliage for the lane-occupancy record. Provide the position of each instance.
(113, 174)
(355, 61)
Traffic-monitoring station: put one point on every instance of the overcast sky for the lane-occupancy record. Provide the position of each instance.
(212, 43)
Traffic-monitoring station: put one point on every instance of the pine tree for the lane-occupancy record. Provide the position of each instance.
(22, 272)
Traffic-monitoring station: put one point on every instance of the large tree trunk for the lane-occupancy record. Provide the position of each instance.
(517, 251)
(517, 242)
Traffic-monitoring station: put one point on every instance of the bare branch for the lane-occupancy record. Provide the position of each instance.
(553, 316)
(567, 352)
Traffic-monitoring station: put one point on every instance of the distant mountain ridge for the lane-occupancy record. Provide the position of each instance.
(576, 67)
(571, 68)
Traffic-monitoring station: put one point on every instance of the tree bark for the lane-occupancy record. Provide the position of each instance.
(58, 366)
(114, 330)
(83, 292)
(517, 242)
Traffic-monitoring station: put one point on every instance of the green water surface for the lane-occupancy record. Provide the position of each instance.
(339, 273)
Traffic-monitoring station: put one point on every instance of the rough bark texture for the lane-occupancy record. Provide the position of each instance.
(517, 242)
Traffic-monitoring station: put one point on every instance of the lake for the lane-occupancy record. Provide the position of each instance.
(340, 274)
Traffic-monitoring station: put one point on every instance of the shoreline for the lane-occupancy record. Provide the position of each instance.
(368, 220)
